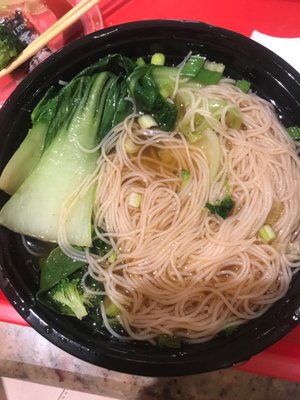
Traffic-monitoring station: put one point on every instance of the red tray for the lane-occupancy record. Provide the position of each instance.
(273, 17)
(8, 313)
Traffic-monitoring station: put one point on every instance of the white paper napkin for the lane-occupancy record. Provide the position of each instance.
(286, 48)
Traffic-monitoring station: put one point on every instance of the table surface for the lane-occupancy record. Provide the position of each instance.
(26, 355)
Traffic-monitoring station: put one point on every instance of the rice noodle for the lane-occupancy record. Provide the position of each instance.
(181, 270)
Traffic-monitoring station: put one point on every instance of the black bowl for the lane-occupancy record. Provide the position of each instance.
(271, 77)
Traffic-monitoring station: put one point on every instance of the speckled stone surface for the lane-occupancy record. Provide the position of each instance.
(24, 354)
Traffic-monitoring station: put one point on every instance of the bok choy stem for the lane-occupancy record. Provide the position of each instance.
(87, 108)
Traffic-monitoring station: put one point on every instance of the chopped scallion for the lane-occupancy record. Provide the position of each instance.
(165, 92)
(130, 146)
(111, 310)
(233, 118)
(206, 77)
(140, 61)
(146, 121)
(243, 84)
(112, 258)
(214, 66)
(211, 73)
(266, 234)
(134, 200)
(192, 67)
(185, 177)
(158, 59)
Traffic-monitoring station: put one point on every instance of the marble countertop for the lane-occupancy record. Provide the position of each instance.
(26, 355)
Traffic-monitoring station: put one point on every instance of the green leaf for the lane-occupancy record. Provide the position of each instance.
(115, 63)
(46, 107)
(244, 85)
(30, 150)
(99, 247)
(230, 330)
(294, 132)
(55, 267)
(169, 342)
(146, 94)
(116, 106)
(86, 110)
(207, 77)
(223, 209)
(192, 67)
(58, 272)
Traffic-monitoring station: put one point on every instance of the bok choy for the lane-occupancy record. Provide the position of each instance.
(61, 287)
(28, 154)
(146, 93)
(82, 113)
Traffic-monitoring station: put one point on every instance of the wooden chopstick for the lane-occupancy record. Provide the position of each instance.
(62, 24)
(62, 20)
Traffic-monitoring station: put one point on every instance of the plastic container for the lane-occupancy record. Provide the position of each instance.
(53, 10)
(271, 77)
